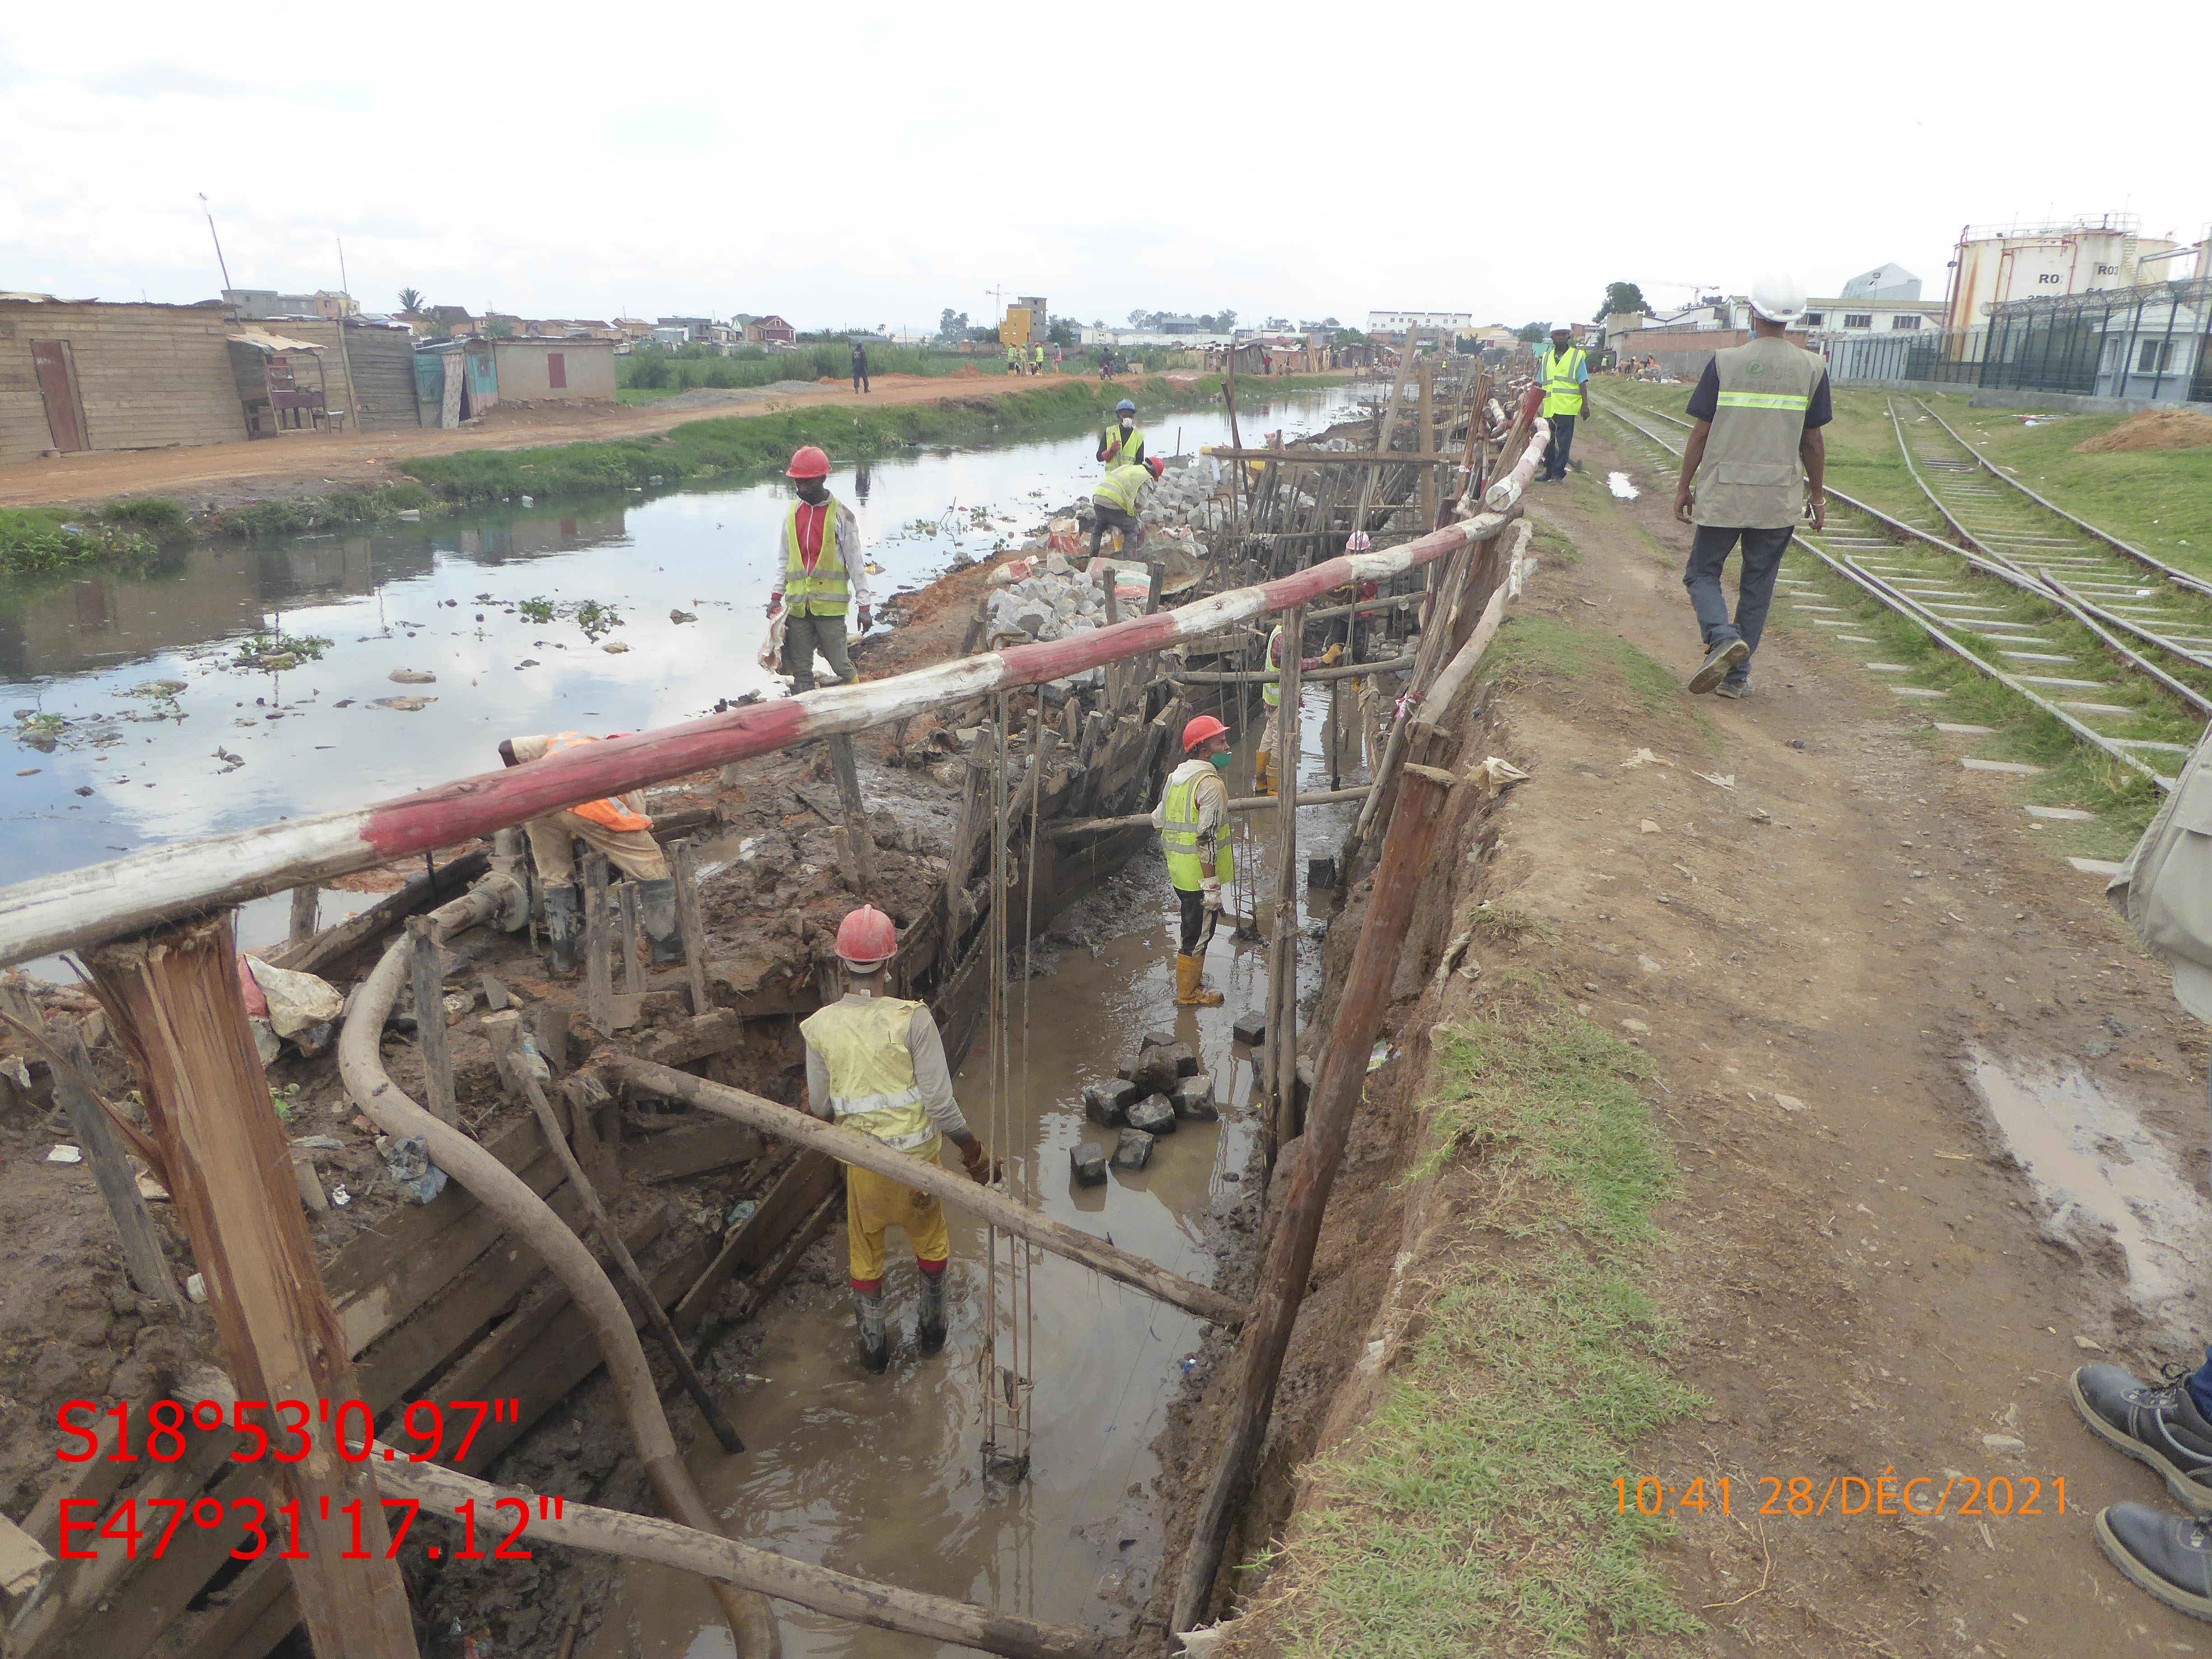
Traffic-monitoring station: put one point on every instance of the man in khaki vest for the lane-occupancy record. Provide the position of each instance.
(1746, 470)
(875, 1063)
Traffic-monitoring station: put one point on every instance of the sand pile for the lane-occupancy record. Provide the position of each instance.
(2155, 428)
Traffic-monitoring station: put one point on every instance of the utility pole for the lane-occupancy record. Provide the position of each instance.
(220, 265)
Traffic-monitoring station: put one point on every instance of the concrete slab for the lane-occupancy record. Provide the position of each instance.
(1916, 691)
(1964, 731)
(2097, 866)
(2015, 768)
(2059, 814)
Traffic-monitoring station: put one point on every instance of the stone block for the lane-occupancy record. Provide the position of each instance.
(1088, 1164)
(1192, 1099)
(1251, 1030)
(1155, 1071)
(1107, 1103)
(1133, 1151)
(1155, 1114)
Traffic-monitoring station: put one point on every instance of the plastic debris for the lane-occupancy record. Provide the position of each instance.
(407, 1161)
(65, 1154)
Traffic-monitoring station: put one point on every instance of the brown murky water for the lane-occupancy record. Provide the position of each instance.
(883, 1477)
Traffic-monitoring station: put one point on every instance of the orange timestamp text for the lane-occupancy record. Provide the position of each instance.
(1999, 1496)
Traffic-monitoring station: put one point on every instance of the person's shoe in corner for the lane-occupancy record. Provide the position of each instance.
(1728, 653)
(2168, 1557)
(2157, 1424)
(1733, 688)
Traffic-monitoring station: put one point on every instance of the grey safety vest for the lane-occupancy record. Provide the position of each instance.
(2165, 889)
(1751, 477)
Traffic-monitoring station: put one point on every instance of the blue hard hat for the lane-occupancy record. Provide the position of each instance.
(1125, 404)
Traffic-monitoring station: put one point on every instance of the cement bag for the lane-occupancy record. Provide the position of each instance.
(1064, 536)
(297, 1001)
(771, 651)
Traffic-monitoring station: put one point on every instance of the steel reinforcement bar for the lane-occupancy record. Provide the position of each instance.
(100, 902)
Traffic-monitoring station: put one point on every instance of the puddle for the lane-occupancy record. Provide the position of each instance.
(1622, 489)
(2104, 1178)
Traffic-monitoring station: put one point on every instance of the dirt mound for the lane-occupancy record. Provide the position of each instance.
(967, 372)
(2155, 428)
(827, 380)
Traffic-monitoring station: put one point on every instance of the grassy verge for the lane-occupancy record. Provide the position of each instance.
(1533, 647)
(1476, 1512)
(36, 540)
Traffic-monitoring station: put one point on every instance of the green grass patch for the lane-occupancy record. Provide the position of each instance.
(35, 540)
(345, 510)
(1475, 1512)
(1544, 647)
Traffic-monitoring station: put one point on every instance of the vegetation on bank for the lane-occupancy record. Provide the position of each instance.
(1476, 1512)
(35, 540)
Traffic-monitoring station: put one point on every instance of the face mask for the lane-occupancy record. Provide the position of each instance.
(1126, 423)
(1220, 761)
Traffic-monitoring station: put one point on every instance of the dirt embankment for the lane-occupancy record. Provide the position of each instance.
(1833, 950)
(2155, 428)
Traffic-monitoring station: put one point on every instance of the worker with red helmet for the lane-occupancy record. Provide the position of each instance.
(1192, 819)
(1114, 503)
(617, 826)
(822, 575)
(875, 1063)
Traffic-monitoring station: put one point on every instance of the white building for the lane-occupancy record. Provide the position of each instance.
(1397, 322)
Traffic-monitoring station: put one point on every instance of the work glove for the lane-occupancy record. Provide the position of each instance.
(1334, 654)
(1210, 895)
(977, 1158)
(867, 619)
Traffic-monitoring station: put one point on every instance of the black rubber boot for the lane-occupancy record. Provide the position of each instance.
(564, 926)
(2168, 1557)
(932, 1313)
(2157, 1424)
(875, 1343)
(656, 913)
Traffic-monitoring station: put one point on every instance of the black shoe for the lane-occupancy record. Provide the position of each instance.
(1733, 689)
(1728, 653)
(2156, 1424)
(2168, 1557)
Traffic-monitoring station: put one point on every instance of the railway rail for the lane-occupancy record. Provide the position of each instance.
(2093, 632)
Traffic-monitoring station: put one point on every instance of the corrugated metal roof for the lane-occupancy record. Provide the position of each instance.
(273, 342)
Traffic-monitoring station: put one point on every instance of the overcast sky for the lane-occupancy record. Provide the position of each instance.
(854, 165)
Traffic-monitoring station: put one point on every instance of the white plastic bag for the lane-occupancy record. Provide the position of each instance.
(297, 1001)
(771, 651)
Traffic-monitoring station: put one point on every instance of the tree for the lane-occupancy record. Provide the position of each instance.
(951, 324)
(1061, 332)
(1620, 296)
(410, 300)
(498, 328)
(1228, 319)
(1140, 319)
(1532, 334)
(1330, 322)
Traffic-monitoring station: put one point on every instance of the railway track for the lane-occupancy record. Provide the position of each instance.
(2100, 636)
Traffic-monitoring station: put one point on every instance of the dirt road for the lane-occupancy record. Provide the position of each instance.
(1942, 1131)
(224, 474)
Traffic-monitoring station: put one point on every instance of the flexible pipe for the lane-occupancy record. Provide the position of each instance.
(507, 1195)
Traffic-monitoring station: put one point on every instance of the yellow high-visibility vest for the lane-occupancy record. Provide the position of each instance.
(1121, 485)
(1562, 393)
(1120, 443)
(871, 1082)
(1180, 839)
(826, 590)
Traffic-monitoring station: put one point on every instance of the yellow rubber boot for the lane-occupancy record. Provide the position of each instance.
(1189, 991)
(1263, 772)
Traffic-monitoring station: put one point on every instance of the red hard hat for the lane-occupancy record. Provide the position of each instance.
(866, 937)
(808, 462)
(1199, 728)
(1158, 466)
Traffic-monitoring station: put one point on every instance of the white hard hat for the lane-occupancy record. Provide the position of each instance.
(1560, 328)
(1779, 296)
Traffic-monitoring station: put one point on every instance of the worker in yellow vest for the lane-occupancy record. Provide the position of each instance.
(1564, 372)
(821, 575)
(1013, 360)
(1192, 819)
(875, 1063)
(1036, 358)
(617, 827)
(1267, 781)
(1114, 504)
(1122, 444)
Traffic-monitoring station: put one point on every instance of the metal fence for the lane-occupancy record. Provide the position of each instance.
(2152, 343)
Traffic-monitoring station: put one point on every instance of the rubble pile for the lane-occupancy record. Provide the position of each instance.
(1150, 1100)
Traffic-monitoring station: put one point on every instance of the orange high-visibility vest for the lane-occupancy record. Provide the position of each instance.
(609, 812)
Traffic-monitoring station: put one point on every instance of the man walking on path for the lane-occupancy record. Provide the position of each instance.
(1759, 411)
(860, 367)
(617, 827)
(1563, 372)
(875, 1063)
(821, 576)
(1192, 819)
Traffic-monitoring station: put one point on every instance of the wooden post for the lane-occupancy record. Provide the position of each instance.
(503, 1031)
(683, 865)
(306, 905)
(626, 935)
(599, 970)
(1297, 1226)
(1427, 447)
(655, 1314)
(174, 1002)
(429, 982)
(856, 815)
(111, 1165)
(549, 1030)
(850, 1145)
(1283, 980)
